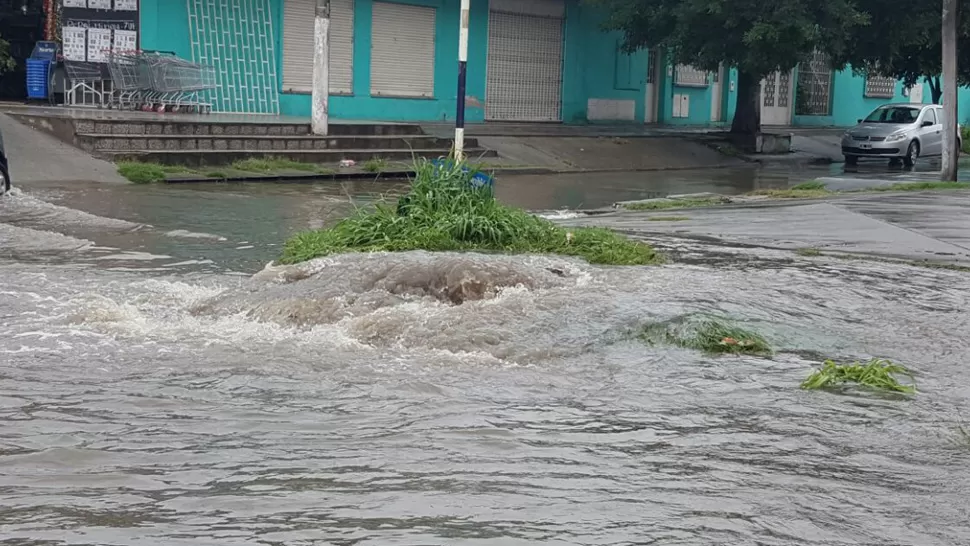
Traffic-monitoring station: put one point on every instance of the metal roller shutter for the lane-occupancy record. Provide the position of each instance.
(524, 81)
(402, 51)
(298, 46)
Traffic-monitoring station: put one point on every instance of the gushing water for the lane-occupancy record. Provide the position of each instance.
(470, 399)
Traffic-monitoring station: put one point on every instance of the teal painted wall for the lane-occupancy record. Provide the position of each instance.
(165, 26)
(849, 102)
(442, 107)
(596, 68)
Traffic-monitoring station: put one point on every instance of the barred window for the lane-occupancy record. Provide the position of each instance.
(814, 93)
(688, 76)
(880, 87)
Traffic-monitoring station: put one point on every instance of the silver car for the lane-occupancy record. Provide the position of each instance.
(897, 131)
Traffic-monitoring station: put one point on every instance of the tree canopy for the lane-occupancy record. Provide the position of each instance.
(903, 41)
(755, 36)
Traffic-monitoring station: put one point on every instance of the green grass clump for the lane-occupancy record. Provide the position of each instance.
(876, 374)
(221, 175)
(272, 164)
(142, 173)
(444, 211)
(664, 204)
(809, 186)
(808, 252)
(709, 334)
(375, 165)
(794, 193)
(668, 218)
(923, 186)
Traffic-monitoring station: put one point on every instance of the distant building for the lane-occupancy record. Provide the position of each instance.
(529, 61)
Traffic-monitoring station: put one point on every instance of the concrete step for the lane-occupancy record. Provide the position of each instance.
(212, 158)
(99, 143)
(181, 127)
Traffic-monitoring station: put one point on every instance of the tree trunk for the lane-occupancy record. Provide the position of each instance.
(936, 90)
(747, 115)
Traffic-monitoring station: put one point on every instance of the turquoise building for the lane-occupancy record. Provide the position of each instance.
(529, 61)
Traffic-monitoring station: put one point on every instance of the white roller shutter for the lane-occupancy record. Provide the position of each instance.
(524, 81)
(298, 18)
(402, 51)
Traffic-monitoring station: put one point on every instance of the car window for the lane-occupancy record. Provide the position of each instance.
(893, 114)
(930, 115)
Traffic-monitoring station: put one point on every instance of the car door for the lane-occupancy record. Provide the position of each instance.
(931, 136)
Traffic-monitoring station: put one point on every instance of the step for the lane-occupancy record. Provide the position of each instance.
(197, 158)
(182, 127)
(94, 142)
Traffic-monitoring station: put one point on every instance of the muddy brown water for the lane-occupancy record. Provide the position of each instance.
(154, 391)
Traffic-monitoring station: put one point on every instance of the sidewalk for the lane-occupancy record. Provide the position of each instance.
(928, 226)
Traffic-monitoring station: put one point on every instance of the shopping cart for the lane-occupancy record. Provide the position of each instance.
(174, 84)
(86, 84)
(125, 84)
(160, 82)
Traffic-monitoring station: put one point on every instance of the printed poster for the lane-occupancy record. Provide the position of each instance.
(99, 44)
(126, 5)
(126, 41)
(74, 43)
(99, 4)
(75, 3)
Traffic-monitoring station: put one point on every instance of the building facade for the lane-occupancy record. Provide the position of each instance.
(529, 61)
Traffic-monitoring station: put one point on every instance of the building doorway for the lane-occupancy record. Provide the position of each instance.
(776, 99)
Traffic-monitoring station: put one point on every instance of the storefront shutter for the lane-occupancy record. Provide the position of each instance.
(298, 18)
(524, 81)
(402, 54)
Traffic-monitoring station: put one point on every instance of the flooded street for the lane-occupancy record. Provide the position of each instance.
(155, 391)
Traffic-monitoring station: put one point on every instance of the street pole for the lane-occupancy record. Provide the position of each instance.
(462, 66)
(321, 68)
(950, 151)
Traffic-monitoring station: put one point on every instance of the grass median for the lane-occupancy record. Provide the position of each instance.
(445, 210)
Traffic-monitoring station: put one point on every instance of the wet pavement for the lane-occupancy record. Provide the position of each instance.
(155, 391)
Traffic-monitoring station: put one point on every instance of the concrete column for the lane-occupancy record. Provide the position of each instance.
(319, 117)
(950, 151)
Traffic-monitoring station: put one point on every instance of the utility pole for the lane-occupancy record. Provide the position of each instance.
(950, 151)
(319, 117)
(462, 66)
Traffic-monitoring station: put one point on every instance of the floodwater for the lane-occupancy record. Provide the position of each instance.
(154, 391)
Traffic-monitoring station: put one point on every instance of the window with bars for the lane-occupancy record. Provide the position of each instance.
(880, 87)
(688, 76)
(814, 92)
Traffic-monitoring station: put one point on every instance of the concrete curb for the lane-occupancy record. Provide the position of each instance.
(401, 174)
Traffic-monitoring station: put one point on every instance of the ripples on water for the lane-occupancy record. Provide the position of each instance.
(463, 399)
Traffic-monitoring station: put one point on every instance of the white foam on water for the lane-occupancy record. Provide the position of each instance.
(184, 234)
(134, 256)
(560, 214)
(26, 209)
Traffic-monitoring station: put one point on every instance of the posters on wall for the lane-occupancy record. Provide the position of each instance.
(94, 28)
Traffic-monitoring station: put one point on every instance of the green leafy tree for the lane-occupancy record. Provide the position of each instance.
(6, 61)
(757, 37)
(902, 41)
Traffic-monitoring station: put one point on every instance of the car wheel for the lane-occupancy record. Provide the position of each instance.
(912, 154)
(851, 160)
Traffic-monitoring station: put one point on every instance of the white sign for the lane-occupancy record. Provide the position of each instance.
(99, 4)
(99, 44)
(126, 41)
(74, 43)
(75, 3)
(126, 5)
